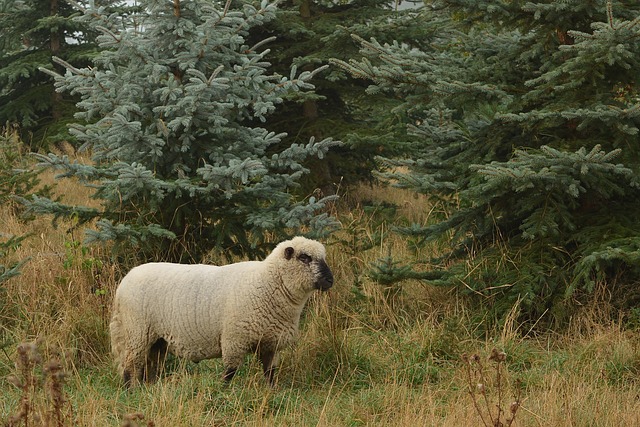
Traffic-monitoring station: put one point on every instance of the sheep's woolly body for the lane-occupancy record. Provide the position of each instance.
(203, 311)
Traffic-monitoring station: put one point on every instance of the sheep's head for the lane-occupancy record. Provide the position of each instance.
(309, 257)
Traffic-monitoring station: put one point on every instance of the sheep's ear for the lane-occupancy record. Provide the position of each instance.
(288, 252)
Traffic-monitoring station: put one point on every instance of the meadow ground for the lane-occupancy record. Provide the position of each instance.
(415, 356)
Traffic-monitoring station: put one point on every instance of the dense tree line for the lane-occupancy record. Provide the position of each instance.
(205, 118)
(526, 124)
(33, 31)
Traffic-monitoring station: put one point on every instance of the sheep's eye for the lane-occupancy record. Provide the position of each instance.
(304, 258)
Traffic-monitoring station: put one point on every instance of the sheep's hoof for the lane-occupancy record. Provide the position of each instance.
(229, 374)
(270, 376)
(126, 378)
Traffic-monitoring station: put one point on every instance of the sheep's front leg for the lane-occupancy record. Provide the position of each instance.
(232, 359)
(267, 357)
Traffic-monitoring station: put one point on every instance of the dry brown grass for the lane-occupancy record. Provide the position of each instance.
(64, 290)
(361, 359)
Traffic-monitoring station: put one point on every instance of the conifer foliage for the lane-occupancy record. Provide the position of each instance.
(528, 117)
(33, 31)
(170, 112)
(311, 32)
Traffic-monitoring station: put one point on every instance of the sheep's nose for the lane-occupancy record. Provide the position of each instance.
(325, 283)
(326, 277)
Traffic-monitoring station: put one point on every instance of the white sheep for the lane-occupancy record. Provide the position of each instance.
(204, 311)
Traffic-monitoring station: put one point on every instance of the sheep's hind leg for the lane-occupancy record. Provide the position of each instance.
(155, 360)
(133, 367)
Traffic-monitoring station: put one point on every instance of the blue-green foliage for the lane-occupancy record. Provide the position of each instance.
(169, 112)
(8, 244)
(527, 120)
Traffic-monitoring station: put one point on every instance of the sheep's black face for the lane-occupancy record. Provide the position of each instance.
(325, 277)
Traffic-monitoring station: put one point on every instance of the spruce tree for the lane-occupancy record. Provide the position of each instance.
(171, 113)
(310, 32)
(527, 119)
(32, 32)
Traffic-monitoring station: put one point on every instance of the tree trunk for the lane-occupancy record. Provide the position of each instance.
(305, 9)
(310, 113)
(176, 8)
(55, 43)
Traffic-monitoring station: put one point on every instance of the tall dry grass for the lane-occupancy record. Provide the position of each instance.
(362, 359)
(64, 290)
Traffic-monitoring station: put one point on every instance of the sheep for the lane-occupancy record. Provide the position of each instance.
(203, 311)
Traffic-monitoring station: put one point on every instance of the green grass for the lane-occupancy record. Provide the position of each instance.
(362, 358)
(369, 377)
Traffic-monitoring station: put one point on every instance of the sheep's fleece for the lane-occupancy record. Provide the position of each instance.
(204, 311)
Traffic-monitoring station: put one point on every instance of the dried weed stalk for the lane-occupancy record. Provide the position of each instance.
(41, 384)
(492, 415)
(136, 420)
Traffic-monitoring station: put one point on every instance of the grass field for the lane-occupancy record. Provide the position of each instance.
(365, 356)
